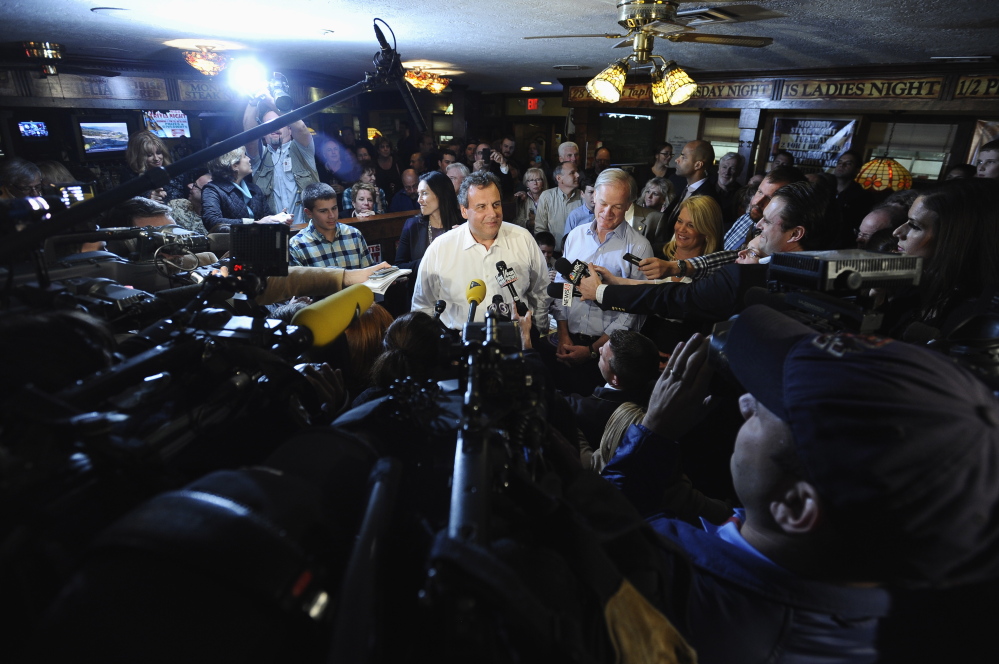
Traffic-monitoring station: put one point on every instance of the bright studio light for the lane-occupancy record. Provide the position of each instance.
(247, 76)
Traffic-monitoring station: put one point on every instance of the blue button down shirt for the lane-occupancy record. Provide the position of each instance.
(584, 244)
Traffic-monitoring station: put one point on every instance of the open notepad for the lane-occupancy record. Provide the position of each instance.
(382, 279)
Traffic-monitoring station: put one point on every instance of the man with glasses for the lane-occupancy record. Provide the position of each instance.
(880, 218)
(19, 178)
(187, 211)
(988, 160)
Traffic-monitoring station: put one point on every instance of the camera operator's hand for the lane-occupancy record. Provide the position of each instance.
(351, 277)
(680, 399)
(588, 286)
(329, 386)
(519, 195)
(526, 323)
(159, 195)
(498, 157)
(657, 268)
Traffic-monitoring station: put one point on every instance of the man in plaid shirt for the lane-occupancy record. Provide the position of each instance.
(325, 242)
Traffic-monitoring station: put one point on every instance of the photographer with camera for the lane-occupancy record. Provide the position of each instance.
(286, 164)
(864, 466)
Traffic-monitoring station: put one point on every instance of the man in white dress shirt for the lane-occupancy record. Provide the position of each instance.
(471, 252)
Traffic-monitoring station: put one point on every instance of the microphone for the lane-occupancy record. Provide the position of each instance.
(474, 294)
(439, 307)
(505, 277)
(572, 272)
(328, 318)
(389, 58)
(500, 308)
(558, 290)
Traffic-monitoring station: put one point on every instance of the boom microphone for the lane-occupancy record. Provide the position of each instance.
(474, 294)
(328, 318)
(389, 58)
(505, 277)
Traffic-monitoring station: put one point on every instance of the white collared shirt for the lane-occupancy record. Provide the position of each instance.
(455, 259)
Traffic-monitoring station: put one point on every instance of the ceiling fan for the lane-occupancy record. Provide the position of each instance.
(647, 19)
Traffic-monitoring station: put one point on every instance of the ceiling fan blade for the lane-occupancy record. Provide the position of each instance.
(574, 36)
(721, 40)
(664, 28)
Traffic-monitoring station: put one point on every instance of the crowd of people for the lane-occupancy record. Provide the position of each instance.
(865, 466)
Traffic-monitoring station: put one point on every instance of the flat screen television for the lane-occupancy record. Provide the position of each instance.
(33, 129)
(100, 138)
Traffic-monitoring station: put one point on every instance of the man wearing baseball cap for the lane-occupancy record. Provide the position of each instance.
(864, 464)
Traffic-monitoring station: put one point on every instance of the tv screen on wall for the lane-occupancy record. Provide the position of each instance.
(33, 129)
(103, 137)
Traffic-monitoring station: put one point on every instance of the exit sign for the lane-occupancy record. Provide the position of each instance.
(532, 104)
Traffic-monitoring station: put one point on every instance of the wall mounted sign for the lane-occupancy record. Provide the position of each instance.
(205, 90)
(68, 86)
(763, 90)
(977, 87)
(814, 143)
(167, 124)
(864, 88)
(633, 94)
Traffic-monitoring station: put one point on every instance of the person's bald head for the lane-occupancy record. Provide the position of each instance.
(410, 182)
(694, 160)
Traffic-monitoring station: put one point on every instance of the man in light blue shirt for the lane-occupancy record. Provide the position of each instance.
(583, 327)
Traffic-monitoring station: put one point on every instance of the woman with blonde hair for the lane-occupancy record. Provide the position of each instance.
(535, 182)
(698, 231)
(146, 150)
(657, 194)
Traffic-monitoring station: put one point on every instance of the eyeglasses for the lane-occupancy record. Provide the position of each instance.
(666, 154)
(860, 234)
(27, 190)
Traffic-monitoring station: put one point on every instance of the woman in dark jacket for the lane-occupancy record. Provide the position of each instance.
(228, 200)
(439, 213)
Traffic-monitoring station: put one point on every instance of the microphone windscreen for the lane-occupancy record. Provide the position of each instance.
(329, 317)
(476, 291)
(919, 333)
(563, 266)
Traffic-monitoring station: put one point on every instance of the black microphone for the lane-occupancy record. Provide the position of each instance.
(439, 307)
(505, 277)
(572, 272)
(390, 58)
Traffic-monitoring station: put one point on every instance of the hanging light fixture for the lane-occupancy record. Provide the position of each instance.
(882, 173)
(679, 85)
(606, 86)
(670, 85)
(426, 80)
(206, 60)
(660, 91)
